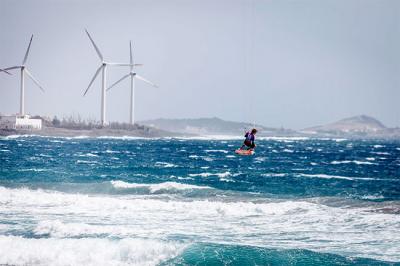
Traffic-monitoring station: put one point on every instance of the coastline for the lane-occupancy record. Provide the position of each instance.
(143, 132)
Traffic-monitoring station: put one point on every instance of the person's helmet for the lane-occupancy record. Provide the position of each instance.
(253, 131)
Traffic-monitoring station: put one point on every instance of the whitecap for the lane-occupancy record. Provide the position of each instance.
(173, 186)
(158, 187)
(221, 175)
(227, 180)
(45, 155)
(32, 170)
(165, 165)
(201, 175)
(354, 161)
(91, 154)
(76, 137)
(212, 137)
(373, 197)
(381, 153)
(325, 176)
(122, 137)
(361, 162)
(111, 151)
(284, 139)
(225, 174)
(223, 151)
(56, 141)
(274, 174)
(85, 162)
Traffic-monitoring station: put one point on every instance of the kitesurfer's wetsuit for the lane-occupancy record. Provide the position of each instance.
(249, 141)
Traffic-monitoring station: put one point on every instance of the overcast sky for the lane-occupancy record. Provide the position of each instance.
(279, 63)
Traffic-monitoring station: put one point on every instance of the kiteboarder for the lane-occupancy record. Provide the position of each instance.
(249, 141)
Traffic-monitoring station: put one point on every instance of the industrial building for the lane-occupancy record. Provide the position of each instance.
(22, 122)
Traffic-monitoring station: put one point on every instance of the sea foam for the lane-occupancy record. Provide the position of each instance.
(280, 224)
(85, 251)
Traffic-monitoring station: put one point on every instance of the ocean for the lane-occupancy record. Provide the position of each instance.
(188, 201)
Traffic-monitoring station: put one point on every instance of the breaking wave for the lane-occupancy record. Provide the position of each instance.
(158, 188)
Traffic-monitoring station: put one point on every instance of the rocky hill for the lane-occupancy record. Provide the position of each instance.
(361, 126)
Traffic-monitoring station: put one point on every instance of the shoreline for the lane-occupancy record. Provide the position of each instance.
(144, 132)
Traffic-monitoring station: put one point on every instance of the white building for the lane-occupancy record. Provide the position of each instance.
(20, 122)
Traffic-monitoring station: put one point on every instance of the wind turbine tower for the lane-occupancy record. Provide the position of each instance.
(133, 76)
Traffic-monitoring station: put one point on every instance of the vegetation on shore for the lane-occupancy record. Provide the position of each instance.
(76, 122)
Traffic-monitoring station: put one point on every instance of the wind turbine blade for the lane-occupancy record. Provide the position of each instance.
(27, 51)
(95, 46)
(94, 77)
(145, 80)
(118, 81)
(130, 55)
(10, 68)
(33, 79)
(118, 64)
(2, 70)
(122, 64)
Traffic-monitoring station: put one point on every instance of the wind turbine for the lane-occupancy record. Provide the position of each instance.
(103, 69)
(133, 76)
(24, 71)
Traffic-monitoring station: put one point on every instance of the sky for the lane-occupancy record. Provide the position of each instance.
(291, 64)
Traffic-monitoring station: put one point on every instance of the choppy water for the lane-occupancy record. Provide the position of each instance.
(127, 201)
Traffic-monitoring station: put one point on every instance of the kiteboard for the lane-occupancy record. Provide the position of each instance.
(244, 152)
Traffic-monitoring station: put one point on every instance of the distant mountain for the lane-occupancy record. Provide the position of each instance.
(362, 126)
(209, 126)
(361, 123)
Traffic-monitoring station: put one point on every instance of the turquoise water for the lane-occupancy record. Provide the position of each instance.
(132, 201)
